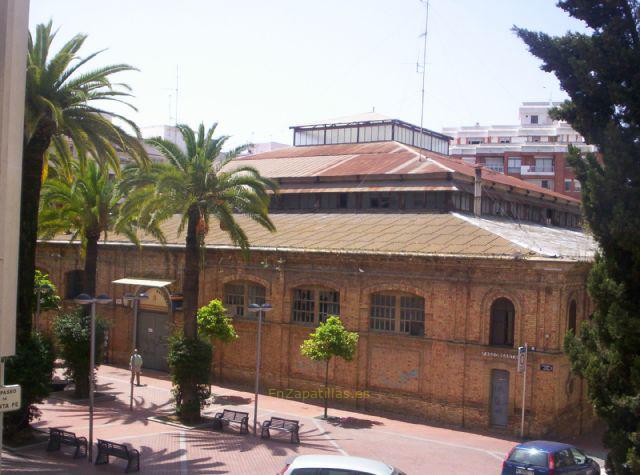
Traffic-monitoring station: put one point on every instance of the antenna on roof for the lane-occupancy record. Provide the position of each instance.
(424, 66)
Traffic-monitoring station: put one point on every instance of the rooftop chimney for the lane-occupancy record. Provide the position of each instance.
(477, 191)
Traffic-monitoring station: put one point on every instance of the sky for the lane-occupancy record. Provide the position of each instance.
(257, 67)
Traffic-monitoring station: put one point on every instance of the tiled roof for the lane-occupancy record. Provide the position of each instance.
(397, 234)
(375, 158)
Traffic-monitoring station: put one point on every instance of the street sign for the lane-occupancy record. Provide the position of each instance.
(10, 398)
(522, 358)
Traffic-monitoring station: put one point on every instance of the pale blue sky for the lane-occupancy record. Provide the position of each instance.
(258, 66)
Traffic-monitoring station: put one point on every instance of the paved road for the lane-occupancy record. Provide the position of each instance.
(415, 448)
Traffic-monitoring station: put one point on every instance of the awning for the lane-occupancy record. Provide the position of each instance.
(144, 282)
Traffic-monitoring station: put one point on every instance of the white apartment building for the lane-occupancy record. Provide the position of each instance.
(534, 150)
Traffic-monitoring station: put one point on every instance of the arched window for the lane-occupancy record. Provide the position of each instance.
(502, 322)
(73, 283)
(238, 296)
(397, 312)
(571, 318)
(312, 305)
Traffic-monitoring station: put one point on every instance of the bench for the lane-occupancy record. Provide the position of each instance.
(106, 448)
(228, 417)
(59, 436)
(285, 425)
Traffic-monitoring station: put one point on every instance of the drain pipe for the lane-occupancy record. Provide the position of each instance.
(477, 191)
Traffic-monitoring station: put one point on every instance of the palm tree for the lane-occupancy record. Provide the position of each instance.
(81, 198)
(198, 184)
(62, 100)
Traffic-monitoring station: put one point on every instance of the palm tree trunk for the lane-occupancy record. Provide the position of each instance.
(32, 161)
(91, 265)
(190, 290)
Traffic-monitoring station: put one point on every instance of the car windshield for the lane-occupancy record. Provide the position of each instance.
(533, 457)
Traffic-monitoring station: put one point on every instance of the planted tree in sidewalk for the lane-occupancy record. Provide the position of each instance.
(72, 332)
(600, 70)
(81, 198)
(330, 340)
(200, 184)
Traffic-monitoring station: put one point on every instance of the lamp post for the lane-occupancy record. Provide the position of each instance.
(260, 310)
(135, 298)
(84, 299)
(40, 290)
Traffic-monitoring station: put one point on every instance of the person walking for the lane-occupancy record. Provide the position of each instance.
(135, 364)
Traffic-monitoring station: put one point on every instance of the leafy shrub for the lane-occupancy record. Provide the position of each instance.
(73, 335)
(31, 367)
(48, 300)
(190, 363)
(214, 323)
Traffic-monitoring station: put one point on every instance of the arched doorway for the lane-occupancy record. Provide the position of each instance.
(154, 329)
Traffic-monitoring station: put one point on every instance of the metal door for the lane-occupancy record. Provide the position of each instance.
(499, 397)
(153, 333)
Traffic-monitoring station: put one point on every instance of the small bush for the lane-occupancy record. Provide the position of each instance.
(214, 323)
(31, 367)
(73, 335)
(190, 363)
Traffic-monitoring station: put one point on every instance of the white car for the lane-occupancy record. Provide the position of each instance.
(337, 465)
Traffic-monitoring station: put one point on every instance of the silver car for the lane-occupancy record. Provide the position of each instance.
(337, 465)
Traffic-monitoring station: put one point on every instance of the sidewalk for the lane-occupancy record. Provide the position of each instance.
(412, 447)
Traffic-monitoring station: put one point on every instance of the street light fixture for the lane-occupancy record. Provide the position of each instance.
(85, 299)
(260, 310)
(41, 289)
(135, 298)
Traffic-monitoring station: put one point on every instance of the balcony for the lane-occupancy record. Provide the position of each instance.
(495, 168)
(535, 170)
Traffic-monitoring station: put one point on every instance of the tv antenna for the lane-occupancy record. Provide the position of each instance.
(424, 69)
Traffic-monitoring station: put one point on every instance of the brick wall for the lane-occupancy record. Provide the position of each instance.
(443, 376)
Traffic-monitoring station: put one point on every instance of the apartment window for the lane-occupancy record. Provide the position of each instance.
(544, 184)
(397, 313)
(475, 140)
(567, 185)
(544, 165)
(534, 119)
(502, 323)
(571, 318)
(504, 139)
(576, 185)
(313, 304)
(495, 164)
(239, 295)
(514, 165)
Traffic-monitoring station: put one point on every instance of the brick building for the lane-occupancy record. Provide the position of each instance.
(534, 150)
(443, 268)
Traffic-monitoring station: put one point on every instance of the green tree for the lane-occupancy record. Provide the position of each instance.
(198, 184)
(88, 203)
(329, 340)
(63, 102)
(215, 324)
(49, 299)
(600, 70)
(73, 335)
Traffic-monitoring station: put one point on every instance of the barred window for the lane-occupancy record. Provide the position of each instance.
(313, 305)
(397, 312)
(239, 295)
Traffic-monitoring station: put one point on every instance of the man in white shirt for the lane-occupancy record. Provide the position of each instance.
(135, 364)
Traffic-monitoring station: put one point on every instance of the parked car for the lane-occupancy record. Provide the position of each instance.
(540, 457)
(337, 465)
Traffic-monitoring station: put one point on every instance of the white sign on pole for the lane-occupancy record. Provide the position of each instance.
(10, 398)
(522, 358)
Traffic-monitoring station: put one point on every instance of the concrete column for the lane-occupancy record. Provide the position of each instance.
(14, 27)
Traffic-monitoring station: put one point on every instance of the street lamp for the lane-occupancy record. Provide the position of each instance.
(259, 309)
(41, 289)
(84, 299)
(135, 298)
